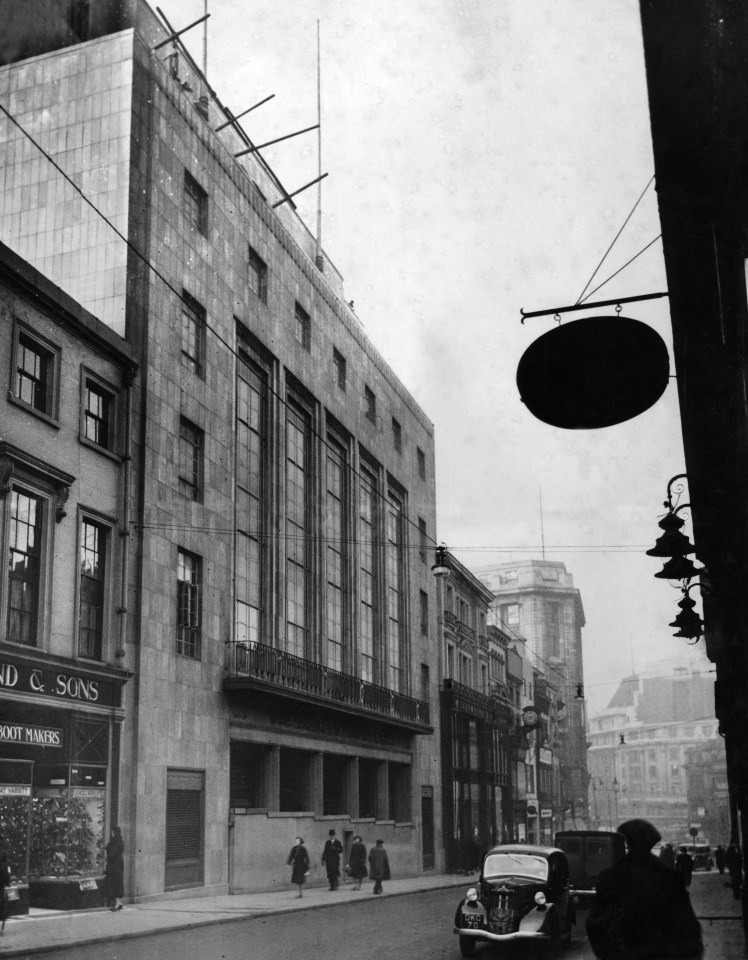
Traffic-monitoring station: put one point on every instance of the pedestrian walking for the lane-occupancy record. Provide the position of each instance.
(719, 858)
(331, 859)
(380, 865)
(4, 884)
(298, 859)
(684, 865)
(642, 908)
(734, 866)
(667, 856)
(114, 873)
(357, 862)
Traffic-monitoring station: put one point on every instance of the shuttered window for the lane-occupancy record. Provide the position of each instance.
(185, 793)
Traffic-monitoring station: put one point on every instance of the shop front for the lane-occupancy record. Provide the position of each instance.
(59, 751)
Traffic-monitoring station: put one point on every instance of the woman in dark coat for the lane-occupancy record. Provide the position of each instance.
(298, 858)
(357, 862)
(115, 870)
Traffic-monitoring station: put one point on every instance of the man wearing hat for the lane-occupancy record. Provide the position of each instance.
(641, 908)
(380, 865)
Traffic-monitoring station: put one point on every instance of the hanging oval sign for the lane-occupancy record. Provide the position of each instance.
(594, 372)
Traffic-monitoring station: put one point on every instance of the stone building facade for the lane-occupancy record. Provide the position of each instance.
(283, 622)
(64, 515)
(478, 721)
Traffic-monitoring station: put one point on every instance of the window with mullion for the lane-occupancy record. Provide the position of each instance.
(97, 415)
(395, 590)
(251, 412)
(190, 456)
(188, 605)
(24, 567)
(368, 578)
(336, 551)
(34, 374)
(193, 332)
(92, 584)
(298, 554)
(195, 204)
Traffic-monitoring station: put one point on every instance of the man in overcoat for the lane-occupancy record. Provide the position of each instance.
(331, 859)
(380, 865)
(641, 908)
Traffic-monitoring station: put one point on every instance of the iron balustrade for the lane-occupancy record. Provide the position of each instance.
(472, 700)
(274, 666)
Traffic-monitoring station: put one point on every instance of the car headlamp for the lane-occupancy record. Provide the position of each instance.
(540, 898)
(472, 895)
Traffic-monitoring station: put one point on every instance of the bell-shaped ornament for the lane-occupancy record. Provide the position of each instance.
(677, 568)
(688, 623)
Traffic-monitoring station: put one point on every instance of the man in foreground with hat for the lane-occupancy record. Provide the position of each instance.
(642, 910)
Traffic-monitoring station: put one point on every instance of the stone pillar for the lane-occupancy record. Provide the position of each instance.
(383, 791)
(351, 788)
(271, 786)
(315, 784)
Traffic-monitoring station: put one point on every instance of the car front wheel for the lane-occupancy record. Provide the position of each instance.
(467, 946)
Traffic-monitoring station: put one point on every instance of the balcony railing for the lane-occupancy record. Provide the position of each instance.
(473, 701)
(311, 680)
(454, 622)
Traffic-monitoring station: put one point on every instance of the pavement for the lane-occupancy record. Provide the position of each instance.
(44, 931)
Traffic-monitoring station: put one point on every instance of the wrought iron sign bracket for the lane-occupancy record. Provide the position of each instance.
(589, 306)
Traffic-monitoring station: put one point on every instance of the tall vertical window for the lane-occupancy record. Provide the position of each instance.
(195, 205)
(336, 552)
(395, 591)
(424, 601)
(190, 459)
(92, 572)
(397, 436)
(251, 441)
(25, 567)
(188, 604)
(369, 581)
(422, 540)
(98, 414)
(193, 333)
(303, 327)
(258, 275)
(421, 456)
(298, 554)
(370, 405)
(341, 374)
(35, 373)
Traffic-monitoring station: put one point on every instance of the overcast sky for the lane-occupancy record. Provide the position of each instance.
(481, 157)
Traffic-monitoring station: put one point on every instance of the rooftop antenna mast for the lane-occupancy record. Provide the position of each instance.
(542, 531)
(205, 41)
(318, 258)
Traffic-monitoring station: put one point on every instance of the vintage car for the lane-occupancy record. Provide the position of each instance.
(589, 852)
(702, 856)
(522, 896)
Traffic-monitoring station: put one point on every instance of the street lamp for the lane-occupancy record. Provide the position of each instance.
(615, 796)
(441, 567)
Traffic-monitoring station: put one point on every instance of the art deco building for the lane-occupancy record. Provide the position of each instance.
(281, 622)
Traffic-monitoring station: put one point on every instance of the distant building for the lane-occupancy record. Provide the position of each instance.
(707, 792)
(65, 497)
(640, 743)
(537, 601)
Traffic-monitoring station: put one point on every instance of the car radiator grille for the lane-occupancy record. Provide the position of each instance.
(501, 917)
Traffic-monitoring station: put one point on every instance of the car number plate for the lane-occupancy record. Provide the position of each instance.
(472, 921)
